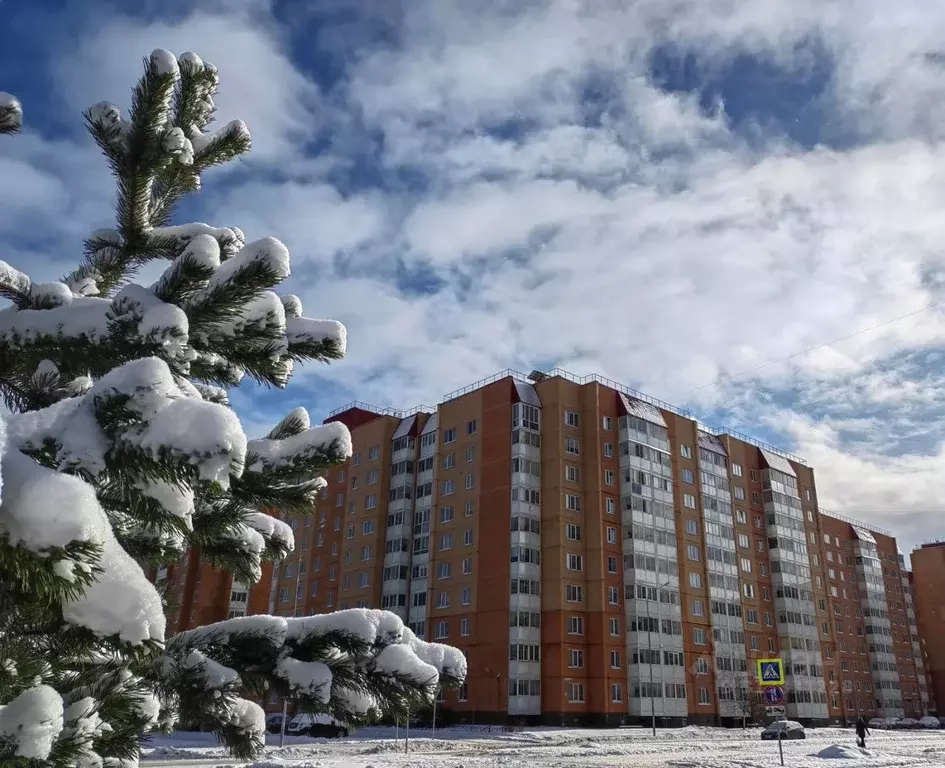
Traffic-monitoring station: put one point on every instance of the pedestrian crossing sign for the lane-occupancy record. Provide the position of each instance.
(770, 672)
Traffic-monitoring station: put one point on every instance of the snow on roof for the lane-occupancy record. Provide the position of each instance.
(403, 429)
(711, 443)
(527, 393)
(863, 535)
(778, 462)
(430, 426)
(642, 410)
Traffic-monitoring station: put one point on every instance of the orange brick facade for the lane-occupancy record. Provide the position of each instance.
(600, 557)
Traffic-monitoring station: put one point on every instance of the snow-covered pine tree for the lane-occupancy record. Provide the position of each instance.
(120, 451)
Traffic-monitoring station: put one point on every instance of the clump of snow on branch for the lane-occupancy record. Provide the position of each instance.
(32, 722)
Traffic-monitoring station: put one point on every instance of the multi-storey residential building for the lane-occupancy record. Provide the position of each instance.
(928, 593)
(601, 556)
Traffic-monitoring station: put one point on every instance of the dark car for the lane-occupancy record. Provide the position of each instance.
(319, 726)
(274, 722)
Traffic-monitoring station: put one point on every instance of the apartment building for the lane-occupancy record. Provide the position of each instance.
(928, 592)
(601, 557)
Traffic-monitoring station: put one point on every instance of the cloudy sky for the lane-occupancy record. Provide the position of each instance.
(733, 206)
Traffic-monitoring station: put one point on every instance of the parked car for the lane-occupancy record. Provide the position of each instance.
(931, 723)
(786, 729)
(908, 724)
(324, 726)
(274, 722)
(878, 724)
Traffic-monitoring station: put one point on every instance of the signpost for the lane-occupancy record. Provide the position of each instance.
(771, 678)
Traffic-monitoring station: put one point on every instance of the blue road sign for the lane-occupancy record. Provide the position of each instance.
(774, 695)
(770, 672)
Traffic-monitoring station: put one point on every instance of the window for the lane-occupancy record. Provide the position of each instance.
(613, 595)
(743, 540)
(746, 565)
(754, 475)
(449, 461)
(739, 492)
(687, 476)
(575, 562)
(572, 419)
(702, 665)
(689, 500)
(698, 608)
(575, 625)
(611, 506)
(468, 537)
(445, 570)
(772, 645)
(465, 596)
(573, 532)
(611, 565)
(366, 553)
(685, 451)
(446, 541)
(464, 623)
(572, 446)
(470, 509)
(284, 595)
(572, 502)
(740, 516)
(367, 527)
(345, 583)
(751, 616)
(698, 636)
(572, 474)
(608, 423)
(615, 659)
(608, 450)
(330, 599)
(374, 453)
(760, 545)
(616, 693)
(339, 500)
(737, 469)
(356, 460)
(443, 600)
(363, 581)
(449, 435)
(692, 527)
(695, 580)
(576, 693)
(448, 487)
(349, 534)
(608, 477)
(446, 514)
(372, 477)
(692, 552)
(574, 593)
(615, 627)
(442, 630)
(755, 643)
(471, 427)
(575, 658)
(470, 453)
(704, 699)
(467, 566)
(755, 497)
(370, 501)
(611, 535)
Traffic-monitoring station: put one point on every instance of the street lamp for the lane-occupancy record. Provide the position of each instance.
(649, 648)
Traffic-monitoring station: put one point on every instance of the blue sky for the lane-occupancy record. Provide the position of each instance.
(665, 192)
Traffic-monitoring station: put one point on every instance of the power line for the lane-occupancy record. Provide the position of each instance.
(806, 351)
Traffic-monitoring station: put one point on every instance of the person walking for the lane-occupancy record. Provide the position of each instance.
(861, 732)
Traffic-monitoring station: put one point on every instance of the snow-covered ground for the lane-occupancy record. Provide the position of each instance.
(563, 748)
